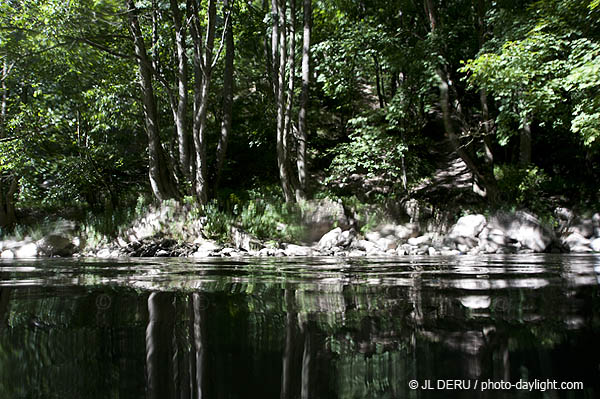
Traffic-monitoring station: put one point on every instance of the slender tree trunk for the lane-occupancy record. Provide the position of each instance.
(288, 352)
(8, 183)
(282, 159)
(158, 360)
(199, 307)
(305, 384)
(525, 143)
(302, 113)
(291, 62)
(227, 93)
(203, 55)
(161, 178)
(378, 81)
(180, 109)
(275, 46)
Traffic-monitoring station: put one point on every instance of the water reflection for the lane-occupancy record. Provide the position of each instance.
(301, 328)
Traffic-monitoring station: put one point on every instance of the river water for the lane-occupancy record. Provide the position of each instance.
(468, 327)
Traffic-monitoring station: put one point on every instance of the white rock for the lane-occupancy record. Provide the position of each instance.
(577, 243)
(468, 226)
(297, 250)
(29, 250)
(103, 253)
(595, 245)
(7, 254)
(432, 251)
(331, 239)
(476, 301)
(421, 240)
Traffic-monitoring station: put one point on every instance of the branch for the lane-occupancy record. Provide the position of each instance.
(222, 41)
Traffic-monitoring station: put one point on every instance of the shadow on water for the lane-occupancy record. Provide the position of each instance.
(299, 328)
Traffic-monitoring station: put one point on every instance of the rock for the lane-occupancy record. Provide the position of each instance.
(575, 242)
(103, 253)
(7, 254)
(463, 248)
(476, 301)
(356, 253)
(595, 245)
(201, 253)
(161, 253)
(228, 251)
(432, 251)
(583, 227)
(331, 239)
(56, 244)
(524, 229)
(243, 240)
(321, 216)
(596, 223)
(421, 240)
(564, 214)
(364, 245)
(266, 252)
(297, 250)
(466, 230)
(29, 250)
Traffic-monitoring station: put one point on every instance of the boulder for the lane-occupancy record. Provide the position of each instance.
(7, 254)
(297, 250)
(364, 245)
(583, 227)
(466, 230)
(577, 243)
(29, 250)
(596, 223)
(56, 245)
(421, 240)
(524, 229)
(595, 245)
(320, 216)
(331, 239)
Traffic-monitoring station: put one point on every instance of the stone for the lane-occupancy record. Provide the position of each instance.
(241, 239)
(331, 239)
(201, 253)
(523, 229)
(596, 223)
(297, 250)
(564, 214)
(469, 226)
(595, 245)
(29, 250)
(320, 216)
(583, 227)
(7, 254)
(103, 253)
(421, 240)
(161, 253)
(432, 251)
(364, 245)
(227, 251)
(56, 244)
(577, 243)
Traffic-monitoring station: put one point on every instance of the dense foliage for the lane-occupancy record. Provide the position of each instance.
(104, 99)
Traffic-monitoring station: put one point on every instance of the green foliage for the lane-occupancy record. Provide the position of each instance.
(523, 187)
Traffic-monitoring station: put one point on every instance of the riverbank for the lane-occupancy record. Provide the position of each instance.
(322, 228)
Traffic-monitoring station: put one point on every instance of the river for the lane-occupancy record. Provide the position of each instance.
(411, 327)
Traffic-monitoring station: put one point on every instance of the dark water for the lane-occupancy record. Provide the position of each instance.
(302, 328)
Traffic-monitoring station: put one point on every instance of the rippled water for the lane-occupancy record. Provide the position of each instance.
(300, 328)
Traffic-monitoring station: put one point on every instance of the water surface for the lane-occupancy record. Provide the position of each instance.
(299, 328)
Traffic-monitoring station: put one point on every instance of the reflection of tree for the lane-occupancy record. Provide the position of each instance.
(159, 331)
(4, 301)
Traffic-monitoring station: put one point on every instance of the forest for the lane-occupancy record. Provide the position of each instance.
(109, 104)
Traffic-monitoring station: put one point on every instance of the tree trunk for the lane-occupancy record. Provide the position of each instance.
(302, 125)
(227, 94)
(199, 326)
(275, 47)
(281, 102)
(291, 62)
(378, 82)
(488, 182)
(161, 178)
(179, 110)
(158, 360)
(525, 143)
(203, 55)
